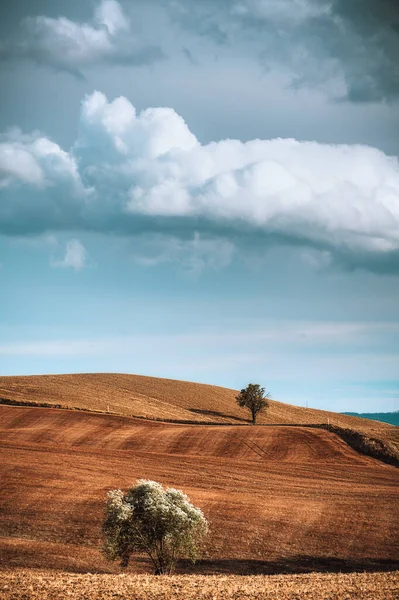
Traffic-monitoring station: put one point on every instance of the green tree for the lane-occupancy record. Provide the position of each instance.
(253, 398)
(160, 522)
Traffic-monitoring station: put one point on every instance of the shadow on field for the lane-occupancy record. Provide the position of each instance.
(216, 413)
(294, 565)
(17, 553)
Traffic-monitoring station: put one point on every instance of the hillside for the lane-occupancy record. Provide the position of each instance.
(167, 399)
(280, 499)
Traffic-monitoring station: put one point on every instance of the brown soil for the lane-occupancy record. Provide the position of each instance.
(280, 499)
(167, 399)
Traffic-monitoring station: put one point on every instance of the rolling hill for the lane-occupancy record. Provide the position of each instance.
(167, 399)
(279, 498)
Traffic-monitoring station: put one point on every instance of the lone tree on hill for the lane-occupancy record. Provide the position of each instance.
(160, 522)
(253, 398)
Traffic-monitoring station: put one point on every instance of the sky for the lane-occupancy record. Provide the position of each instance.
(204, 190)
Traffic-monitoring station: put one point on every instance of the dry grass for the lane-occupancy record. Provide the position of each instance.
(38, 585)
(155, 398)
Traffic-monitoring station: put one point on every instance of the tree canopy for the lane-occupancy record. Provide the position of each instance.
(254, 398)
(160, 522)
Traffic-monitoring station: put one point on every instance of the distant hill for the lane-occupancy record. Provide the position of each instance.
(167, 399)
(388, 417)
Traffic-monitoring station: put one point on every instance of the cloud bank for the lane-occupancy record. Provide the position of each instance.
(131, 172)
(71, 46)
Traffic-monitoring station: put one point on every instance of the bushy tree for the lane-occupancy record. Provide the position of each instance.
(254, 398)
(160, 522)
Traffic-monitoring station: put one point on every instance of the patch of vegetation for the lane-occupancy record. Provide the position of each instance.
(254, 399)
(160, 522)
(365, 444)
(33, 403)
(10, 402)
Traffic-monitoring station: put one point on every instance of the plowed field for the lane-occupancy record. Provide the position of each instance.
(280, 499)
(166, 399)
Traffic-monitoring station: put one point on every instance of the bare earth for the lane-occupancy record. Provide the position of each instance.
(283, 502)
(32, 585)
(280, 499)
(165, 399)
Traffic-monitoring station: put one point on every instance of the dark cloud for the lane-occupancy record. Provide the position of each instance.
(349, 47)
(73, 46)
(370, 61)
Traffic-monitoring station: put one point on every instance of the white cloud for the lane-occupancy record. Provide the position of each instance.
(118, 134)
(72, 46)
(342, 200)
(75, 256)
(18, 163)
(35, 160)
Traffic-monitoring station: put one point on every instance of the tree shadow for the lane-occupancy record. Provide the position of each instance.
(216, 413)
(91, 560)
(293, 565)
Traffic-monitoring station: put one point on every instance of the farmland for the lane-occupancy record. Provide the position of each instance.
(32, 585)
(305, 501)
(168, 399)
(295, 512)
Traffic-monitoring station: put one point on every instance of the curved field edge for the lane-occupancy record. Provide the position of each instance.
(35, 585)
(361, 442)
(365, 444)
(167, 400)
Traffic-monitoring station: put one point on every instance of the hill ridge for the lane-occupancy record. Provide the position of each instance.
(168, 400)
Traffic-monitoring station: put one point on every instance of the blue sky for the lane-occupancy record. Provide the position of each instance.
(205, 191)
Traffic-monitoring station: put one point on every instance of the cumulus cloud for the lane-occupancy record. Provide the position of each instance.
(128, 172)
(44, 183)
(349, 48)
(75, 256)
(35, 160)
(71, 46)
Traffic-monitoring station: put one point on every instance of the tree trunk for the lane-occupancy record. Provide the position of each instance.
(125, 560)
(253, 418)
(164, 569)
